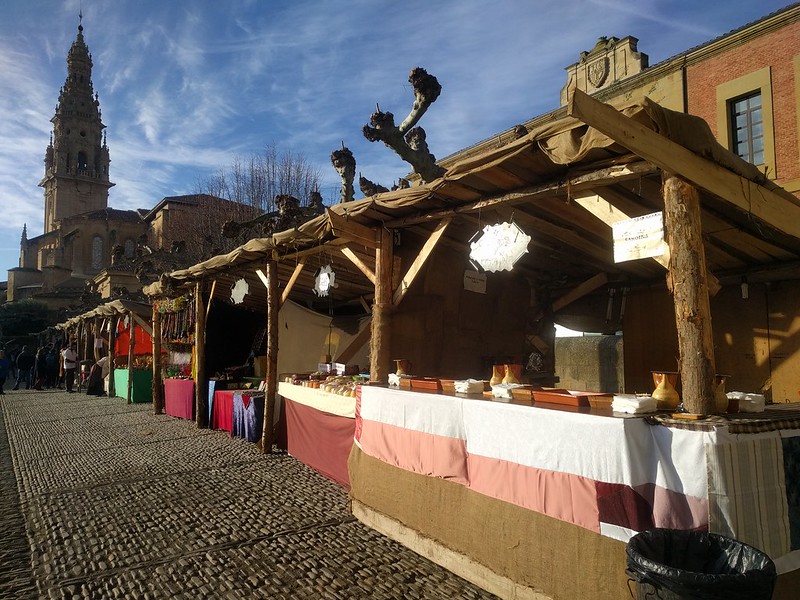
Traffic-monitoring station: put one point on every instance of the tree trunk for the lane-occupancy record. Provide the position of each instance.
(273, 306)
(380, 342)
(201, 394)
(132, 331)
(689, 285)
(112, 349)
(158, 388)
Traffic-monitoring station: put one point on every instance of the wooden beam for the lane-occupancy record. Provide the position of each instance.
(132, 334)
(355, 344)
(580, 291)
(358, 263)
(112, 349)
(773, 209)
(380, 340)
(420, 260)
(200, 389)
(271, 386)
(158, 386)
(211, 297)
(600, 177)
(609, 214)
(289, 284)
(569, 237)
(690, 293)
(142, 323)
(342, 227)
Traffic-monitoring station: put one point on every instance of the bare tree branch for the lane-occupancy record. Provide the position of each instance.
(409, 141)
(345, 164)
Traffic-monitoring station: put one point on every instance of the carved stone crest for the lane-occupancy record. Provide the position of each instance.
(597, 72)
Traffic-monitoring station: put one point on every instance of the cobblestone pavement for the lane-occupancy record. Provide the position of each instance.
(102, 499)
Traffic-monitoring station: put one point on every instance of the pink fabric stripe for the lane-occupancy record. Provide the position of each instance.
(422, 453)
(566, 497)
(674, 510)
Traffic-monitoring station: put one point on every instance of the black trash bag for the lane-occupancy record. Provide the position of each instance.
(675, 564)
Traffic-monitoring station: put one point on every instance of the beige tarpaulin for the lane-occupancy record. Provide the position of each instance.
(305, 336)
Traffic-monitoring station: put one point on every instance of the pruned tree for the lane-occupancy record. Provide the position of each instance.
(253, 185)
(289, 214)
(406, 139)
(369, 188)
(345, 164)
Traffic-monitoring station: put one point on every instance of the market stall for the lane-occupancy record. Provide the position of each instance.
(239, 412)
(133, 356)
(564, 511)
(318, 428)
(121, 331)
(179, 398)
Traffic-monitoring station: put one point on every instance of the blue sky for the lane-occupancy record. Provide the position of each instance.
(187, 86)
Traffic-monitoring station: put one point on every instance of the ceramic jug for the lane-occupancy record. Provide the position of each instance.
(665, 392)
(720, 397)
(498, 372)
(403, 366)
(512, 373)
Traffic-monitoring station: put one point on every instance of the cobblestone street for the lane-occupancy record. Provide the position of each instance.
(102, 499)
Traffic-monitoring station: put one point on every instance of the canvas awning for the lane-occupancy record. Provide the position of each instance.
(110, 309)
(564, 183)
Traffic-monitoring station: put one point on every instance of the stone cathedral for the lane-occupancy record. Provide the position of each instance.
(79, 227)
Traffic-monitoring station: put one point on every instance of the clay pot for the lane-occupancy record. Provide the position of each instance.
(665, 392)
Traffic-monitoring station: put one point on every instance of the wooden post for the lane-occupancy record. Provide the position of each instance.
(79, 340)
(88, 340)
(380, 342)
(112, 349)
(98, 335)
(201, 394)
(158, 388)
(132, 331)
(273, 306)
(689, 285)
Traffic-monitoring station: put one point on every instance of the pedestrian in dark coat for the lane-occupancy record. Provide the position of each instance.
(25, 362)
(5, 368)
(40, 368)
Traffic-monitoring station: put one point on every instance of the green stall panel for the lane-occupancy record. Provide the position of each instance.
(142, 391)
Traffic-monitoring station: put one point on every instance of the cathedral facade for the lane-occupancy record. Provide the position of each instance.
(80, 229)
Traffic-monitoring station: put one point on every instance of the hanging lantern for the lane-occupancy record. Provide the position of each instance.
(324, 281)
(499, 247)
(239, 291)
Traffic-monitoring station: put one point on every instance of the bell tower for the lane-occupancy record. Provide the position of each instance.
(76, 160)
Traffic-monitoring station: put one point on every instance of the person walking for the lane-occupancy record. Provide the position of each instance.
(25, 362)
(51, 368)
(70, 361)
(5, 367)
(40, 368)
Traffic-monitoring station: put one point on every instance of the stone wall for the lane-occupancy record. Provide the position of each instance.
(591, 363)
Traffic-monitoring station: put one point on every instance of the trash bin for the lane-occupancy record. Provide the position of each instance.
(672, 564)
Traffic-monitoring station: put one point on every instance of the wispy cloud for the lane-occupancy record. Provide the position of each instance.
(186, 87)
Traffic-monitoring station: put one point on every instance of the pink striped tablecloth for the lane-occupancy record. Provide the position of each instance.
(612, 475)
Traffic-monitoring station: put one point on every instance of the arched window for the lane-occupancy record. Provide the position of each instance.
(97, 252)
(83, 164)
(130, 248)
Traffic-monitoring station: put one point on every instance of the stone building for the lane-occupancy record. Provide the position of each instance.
(79, 227)
(86, 245)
